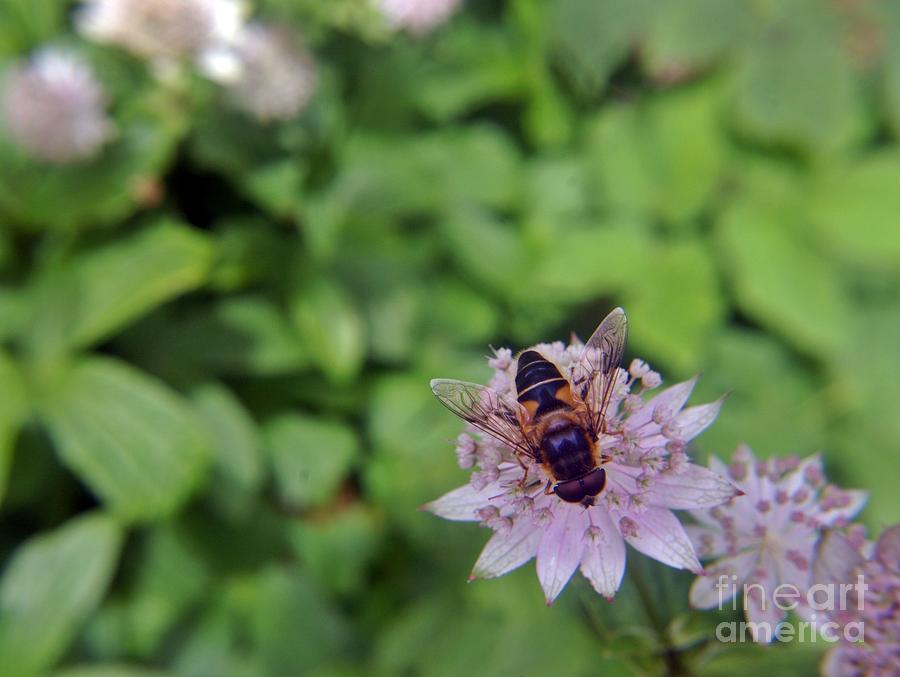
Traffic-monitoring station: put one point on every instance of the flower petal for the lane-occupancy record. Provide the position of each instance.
(712, 590)
(662, 537)
(561, 547)
(508, 550)
(665, 403)
(709, 541)
(857, 499)
(603, 561)
(692, 421)
(835, 559)
(695, 487)
(460, 505)
(760, 610)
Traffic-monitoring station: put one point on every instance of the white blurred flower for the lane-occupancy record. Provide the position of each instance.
(266, 71)
(162, 29)
(417, 16)
(55, 108)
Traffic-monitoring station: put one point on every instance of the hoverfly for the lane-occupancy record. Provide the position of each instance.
(556, 421)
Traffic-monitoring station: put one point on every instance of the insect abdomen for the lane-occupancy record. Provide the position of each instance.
(568, 452)
(542, 389)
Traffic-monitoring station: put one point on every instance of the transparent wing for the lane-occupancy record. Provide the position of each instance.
(487, 410)
(594, 376)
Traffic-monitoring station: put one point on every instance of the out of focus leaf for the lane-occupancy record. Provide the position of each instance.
(691, 34)
(337, 549)
(855, 209)
(331, 328)
(675, 305)
(795, 86)
(25, 24)
(100, 291)
(456, 310)
(310, 457)
(276, 186)
(582, 263)
(13, 408)
(775, 403)
(488, 250)
(245, 334)
(782, 282)
(663, 159)
(237, 460)
(133, 441)
(593, 37)
(50, 586)
(111, 670)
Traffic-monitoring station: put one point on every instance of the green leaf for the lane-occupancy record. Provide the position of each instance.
(781, 281)
(276, 186)
(675, 305)
(237, 461)
(132, 440)
(664, 158)
(487, 249)
(765, 380)
(111, 670)
(680, 35)
(238, 335)
(855, 209)
(99, 291)
(50, 586)
(310, 457)
(331, 329)
(593, 37)
(338, 549)
(795, 86)
(14, 406)
(25, 24)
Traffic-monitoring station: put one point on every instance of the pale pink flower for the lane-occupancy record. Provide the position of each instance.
(266, 71)
(417, 16)
(163, 31)
(766, 537)
(649, 477)
(869, 624)
(55, 108)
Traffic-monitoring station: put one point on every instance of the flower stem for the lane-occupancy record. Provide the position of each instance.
(672, 656)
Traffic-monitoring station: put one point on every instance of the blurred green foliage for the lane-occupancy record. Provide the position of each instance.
(215, 425)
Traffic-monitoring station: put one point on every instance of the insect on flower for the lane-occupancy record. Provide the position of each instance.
(555, 422)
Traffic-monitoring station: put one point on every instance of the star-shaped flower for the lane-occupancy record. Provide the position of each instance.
(869, 622)
(767, 537)
(649, 475)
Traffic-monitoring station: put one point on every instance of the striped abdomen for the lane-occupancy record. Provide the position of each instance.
(545, 394)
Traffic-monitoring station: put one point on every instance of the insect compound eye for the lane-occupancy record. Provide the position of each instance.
(594, 481)
(574, 491)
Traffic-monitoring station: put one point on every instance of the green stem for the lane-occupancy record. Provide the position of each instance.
(671, 655)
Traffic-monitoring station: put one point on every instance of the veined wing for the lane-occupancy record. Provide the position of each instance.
(594, 376)
(487, 410)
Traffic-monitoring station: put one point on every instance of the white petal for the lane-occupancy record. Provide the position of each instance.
(712, 590)
(696, 487)
(858, 499)
(667, 402)
(835, 559)
(560, 549)
(603, 562)
(661, 536)
(761, 610)
(508, 550)
(709, 541)
(460, 505)
(693, 420)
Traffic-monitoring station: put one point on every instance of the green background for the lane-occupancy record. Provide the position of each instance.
(215, 421)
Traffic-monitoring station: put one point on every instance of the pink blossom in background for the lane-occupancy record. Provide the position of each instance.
(54, 108)
(766, 537)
